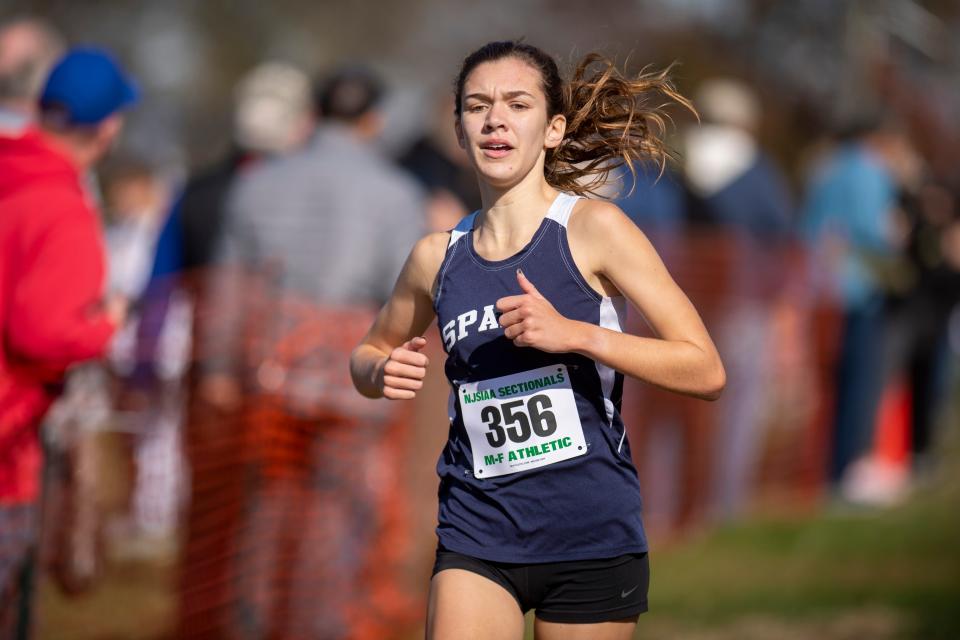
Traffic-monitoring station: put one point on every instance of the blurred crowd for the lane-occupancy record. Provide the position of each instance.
(194, 333)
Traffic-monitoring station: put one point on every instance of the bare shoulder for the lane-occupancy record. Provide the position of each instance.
(604, 227)
(429, 250)
(426, 257)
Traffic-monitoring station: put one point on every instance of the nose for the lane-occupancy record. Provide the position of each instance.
(494, 119)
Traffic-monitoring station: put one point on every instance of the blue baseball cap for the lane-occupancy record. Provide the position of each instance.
(87, 86)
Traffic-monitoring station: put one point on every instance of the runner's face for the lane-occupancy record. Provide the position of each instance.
(504, 126)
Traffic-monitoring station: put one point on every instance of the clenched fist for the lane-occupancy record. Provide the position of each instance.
(403, 371)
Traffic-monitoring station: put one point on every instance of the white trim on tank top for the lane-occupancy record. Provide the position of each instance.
(613, 313)
(463, 227)
(559, 210)
(562, 207)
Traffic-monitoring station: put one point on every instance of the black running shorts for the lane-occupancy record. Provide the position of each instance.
(578, 591)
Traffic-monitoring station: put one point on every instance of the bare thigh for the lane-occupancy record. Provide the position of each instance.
(467, 606)
(615, 630)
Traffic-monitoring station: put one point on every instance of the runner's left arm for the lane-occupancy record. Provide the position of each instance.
(682, 358)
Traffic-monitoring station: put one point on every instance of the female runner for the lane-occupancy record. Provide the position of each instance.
(539, 501)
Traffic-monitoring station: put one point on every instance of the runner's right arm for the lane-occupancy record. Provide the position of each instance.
(387, 362)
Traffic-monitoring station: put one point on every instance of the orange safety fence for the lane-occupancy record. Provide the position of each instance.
(297, 525)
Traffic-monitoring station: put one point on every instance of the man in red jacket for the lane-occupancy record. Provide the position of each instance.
(52, 312)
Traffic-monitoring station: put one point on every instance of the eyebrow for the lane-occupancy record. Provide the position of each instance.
(509, 95)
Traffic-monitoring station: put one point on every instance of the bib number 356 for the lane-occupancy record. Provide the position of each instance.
(522, 421)
(518, 420)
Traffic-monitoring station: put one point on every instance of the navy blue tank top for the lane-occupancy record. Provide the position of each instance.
(537, 467)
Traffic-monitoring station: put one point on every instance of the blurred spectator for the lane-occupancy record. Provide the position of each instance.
(135, 202)
(440, 165)
(137, 199)
(88, 417)
(916, 349)
(272, 116)
(28, 48)
(313, 243)
(849, 223)
(737, 189)
(337, 208)
(657, 203)
(734, 182)
(52, 267)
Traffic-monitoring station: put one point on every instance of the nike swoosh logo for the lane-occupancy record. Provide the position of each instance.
(624, 594)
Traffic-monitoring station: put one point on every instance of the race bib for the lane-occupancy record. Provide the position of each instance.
(521, 421)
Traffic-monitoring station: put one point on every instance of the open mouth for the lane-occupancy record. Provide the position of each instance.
(496, 149)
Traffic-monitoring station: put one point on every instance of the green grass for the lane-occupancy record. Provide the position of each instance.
(902, 564)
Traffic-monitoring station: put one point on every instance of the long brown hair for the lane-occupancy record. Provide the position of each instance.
(613, 120)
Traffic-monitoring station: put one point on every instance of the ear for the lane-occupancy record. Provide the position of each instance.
(556, 129)
(110, 127)
(458, 128)
(106, 134)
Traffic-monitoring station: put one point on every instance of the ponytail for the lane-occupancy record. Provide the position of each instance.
(612, 121)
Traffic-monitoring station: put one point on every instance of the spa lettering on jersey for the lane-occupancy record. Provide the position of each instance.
(457, 329)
